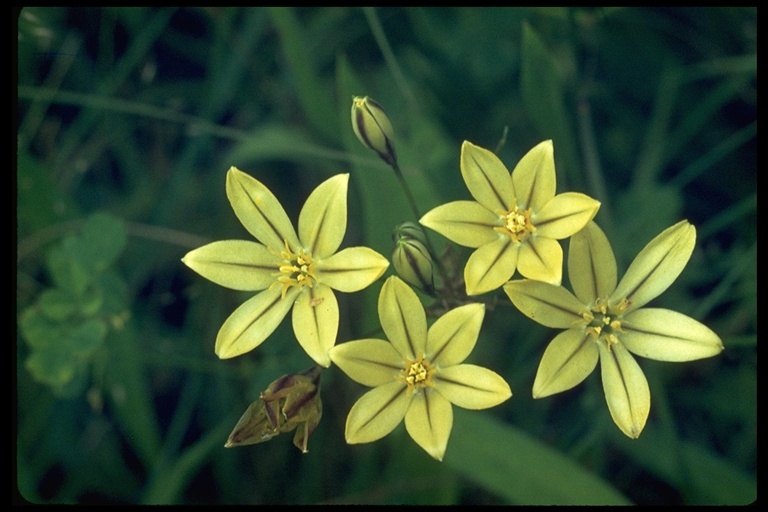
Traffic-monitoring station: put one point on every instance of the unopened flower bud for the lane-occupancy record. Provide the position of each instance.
(412, 259)
(291, 401)
(410, 230)
(373, 129)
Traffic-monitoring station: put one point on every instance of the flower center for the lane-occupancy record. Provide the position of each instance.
(517, 224)
(298, 269)
(603, 321)
(417, 373)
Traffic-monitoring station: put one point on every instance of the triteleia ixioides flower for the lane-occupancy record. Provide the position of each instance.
(289, 269)
(515, 221)
(607, 322)
(419, 373)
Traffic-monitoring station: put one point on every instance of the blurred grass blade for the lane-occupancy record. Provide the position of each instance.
(723, 66)
(386, 50)
(131, 395)
(700, 118)
(222, 91)
(505, 460)
(651, 159)
(712, 157)
(153, 28)
(541, 87)
(170, 484)
(708, 479)
(742, 269)
(288, 144)
(314, 97)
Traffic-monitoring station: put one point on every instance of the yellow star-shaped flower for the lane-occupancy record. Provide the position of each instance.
(292, 270)
(515, 220)
(419, 374)
(607, 322)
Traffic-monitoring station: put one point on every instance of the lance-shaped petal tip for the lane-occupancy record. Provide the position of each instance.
(656, 267)
(667, 335)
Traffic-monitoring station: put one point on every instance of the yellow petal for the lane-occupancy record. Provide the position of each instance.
(626, 389)
(534, 177)
(429, 420)
(487, 178)
(553, 306)
(466, 223)
(253, 322)
(370, 362)
(667, 335)
(259, 211)
(323, 218)
(564, 215)
(403, 318)
(377, 413)
(567, 361)
(656, 267)
(351, 269)
(471, 387)
(541, 259)
(491, 266)
(453, 336)
(591, 264)
(235, 264)
(316, 322)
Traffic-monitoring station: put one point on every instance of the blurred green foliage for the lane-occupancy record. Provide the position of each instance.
(67, 324)
(128, 119)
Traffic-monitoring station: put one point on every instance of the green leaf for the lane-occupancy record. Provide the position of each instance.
(78, 259)
(40, 331)
(90, 302)
(519, 468)
(114, 293)
(67, 272)
(86, 338)
(57, 304)
(74, 387)
(53, 365)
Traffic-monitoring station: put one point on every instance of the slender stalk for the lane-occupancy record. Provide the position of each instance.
(408, 194)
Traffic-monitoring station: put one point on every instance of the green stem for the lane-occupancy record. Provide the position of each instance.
(408, 194)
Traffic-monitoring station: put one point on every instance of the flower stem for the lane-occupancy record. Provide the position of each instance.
(408, 194)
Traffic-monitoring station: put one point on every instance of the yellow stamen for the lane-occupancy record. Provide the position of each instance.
(298, 269)
(517, 224)
(603, 322)
(417, 373)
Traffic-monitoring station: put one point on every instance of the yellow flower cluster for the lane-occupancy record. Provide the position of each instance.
(418, 373)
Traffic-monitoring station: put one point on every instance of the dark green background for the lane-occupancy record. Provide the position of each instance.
(139, 112)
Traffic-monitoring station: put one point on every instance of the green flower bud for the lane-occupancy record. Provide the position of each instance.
(410, 230)
(373, 129)
(412, 259)
(291, 401)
